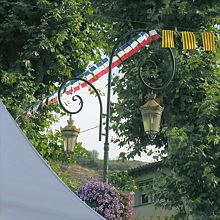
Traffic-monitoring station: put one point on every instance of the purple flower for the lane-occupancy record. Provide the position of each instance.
(106, 200)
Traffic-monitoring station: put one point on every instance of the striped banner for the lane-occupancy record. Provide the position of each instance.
(167, 39)
(189, 40)
(208, 40)
(98, 70)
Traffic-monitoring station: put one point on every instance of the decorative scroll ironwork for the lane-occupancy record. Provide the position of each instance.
(172, 72)
(74, 99)
(77, 97)
(106, 144)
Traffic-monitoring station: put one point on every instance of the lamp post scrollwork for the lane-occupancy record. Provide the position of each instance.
(70, 132)
(77, 97)
(151, 111)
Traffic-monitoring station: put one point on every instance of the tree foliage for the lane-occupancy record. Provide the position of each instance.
(122, 181)
(190, 137)
(43, 42)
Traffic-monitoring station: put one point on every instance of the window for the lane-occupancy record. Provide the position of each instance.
(145, 192)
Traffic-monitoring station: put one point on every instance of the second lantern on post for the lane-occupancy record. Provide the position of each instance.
(151, 113)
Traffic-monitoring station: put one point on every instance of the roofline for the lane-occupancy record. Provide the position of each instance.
(145, 168)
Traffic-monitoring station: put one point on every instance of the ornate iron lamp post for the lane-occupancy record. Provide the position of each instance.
(151, 111)
(70, 132)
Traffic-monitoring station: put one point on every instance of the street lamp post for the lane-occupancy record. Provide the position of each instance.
(151, 111)
(70, 132)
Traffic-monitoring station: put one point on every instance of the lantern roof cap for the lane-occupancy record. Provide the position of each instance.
(152, 103)
(70, 126)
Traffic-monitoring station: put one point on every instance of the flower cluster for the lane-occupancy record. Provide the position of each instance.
(106, 200)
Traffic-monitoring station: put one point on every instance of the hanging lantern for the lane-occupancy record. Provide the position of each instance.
(69, 134)
(151, 114)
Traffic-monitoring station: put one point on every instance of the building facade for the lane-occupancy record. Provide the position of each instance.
(143, 199)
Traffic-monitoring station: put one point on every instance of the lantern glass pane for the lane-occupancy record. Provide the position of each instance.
(69, 140)
(65, 143)
(70, 144)
(151, 121)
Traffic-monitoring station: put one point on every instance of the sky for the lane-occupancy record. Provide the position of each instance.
(88, 118)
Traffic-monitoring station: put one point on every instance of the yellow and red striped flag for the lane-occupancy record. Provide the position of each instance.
(208, 40)
(167, 39)
(189, 40)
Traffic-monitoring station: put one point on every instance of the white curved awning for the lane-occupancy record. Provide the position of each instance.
(29, 189)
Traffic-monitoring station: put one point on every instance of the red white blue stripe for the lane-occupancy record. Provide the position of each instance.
(98, 70)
